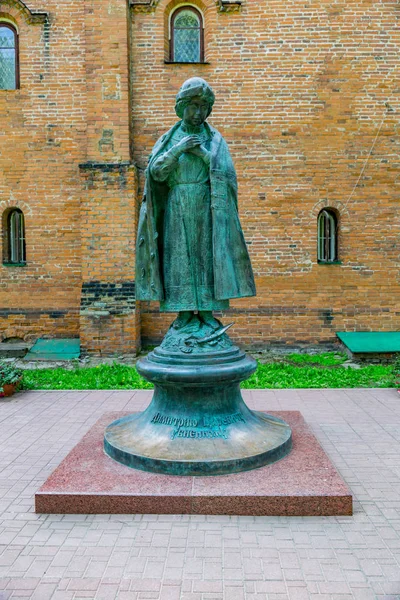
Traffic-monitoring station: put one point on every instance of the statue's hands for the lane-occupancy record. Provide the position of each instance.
(192, 144)
(201, 152)
(188, 143)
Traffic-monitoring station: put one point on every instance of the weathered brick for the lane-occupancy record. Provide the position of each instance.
(306, 97)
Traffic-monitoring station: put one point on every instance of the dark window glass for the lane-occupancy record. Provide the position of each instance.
(8, 57)
(327, 236)
(187, 36)
(16, 237)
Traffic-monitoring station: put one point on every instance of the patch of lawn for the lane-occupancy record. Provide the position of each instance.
(325, 359)
(270, 375)
(102, 377)
(280, 375)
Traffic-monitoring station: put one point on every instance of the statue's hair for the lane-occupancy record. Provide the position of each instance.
(195, 86)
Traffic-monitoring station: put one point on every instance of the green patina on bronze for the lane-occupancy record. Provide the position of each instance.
(191, 256)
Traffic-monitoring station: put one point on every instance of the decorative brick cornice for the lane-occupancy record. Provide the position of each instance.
(108, 175)
(31, 17)
(102, 299)
(229, 5)
(105, 166)
(143, 5)
(150, 5)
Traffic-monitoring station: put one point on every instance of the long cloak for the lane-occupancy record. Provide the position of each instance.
(233, 274)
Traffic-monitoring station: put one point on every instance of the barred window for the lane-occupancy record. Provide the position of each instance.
(327, 236)
(14, 237)
(187, 35)
(9, 79)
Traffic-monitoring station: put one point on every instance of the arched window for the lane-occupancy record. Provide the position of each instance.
(9, 78)
(14, 237)
(327, 236)
(187, 35)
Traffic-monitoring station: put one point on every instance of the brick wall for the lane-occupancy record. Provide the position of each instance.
(109, 321)
(65, 161)
(302, 90)
(41, 144)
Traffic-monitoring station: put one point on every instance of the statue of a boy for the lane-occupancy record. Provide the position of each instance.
(191, 254)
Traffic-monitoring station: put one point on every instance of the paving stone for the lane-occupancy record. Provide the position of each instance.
(166, 557)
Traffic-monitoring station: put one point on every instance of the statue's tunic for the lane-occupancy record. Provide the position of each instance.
(190, 249)
(188, 258)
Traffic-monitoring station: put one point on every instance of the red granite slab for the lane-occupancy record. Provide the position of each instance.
(303, 483)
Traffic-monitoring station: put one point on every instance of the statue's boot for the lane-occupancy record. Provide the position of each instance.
(207, 317)
(184, 317)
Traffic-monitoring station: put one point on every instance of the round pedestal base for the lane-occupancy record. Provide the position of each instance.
(197, 422)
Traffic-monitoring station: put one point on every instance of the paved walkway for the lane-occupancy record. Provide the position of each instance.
(129, 557)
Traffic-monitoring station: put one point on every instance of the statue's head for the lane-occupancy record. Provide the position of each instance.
(194, 101)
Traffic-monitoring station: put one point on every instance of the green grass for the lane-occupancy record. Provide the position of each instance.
(323, 372)
(326, 359)
(280, 375)
(103, 377)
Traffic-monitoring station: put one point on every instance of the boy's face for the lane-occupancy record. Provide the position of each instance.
(196, 112)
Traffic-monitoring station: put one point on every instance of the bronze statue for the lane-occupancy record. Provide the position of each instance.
(192, 257)
(191, 254)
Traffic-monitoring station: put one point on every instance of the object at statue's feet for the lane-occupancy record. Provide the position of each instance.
(197, 422)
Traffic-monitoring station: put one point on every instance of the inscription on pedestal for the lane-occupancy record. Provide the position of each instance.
(161, 419)
(200, 433)
(205, 428)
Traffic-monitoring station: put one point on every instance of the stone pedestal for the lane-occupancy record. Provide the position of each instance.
(197, 422)
(87, 481)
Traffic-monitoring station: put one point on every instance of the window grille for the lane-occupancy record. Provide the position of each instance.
(187, 35)
(327, 236)
(8, 57)
(16, 237)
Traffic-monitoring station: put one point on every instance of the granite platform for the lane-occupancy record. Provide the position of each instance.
(304, 483)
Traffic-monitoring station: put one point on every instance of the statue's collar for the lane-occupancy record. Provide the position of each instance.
(192, 129)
